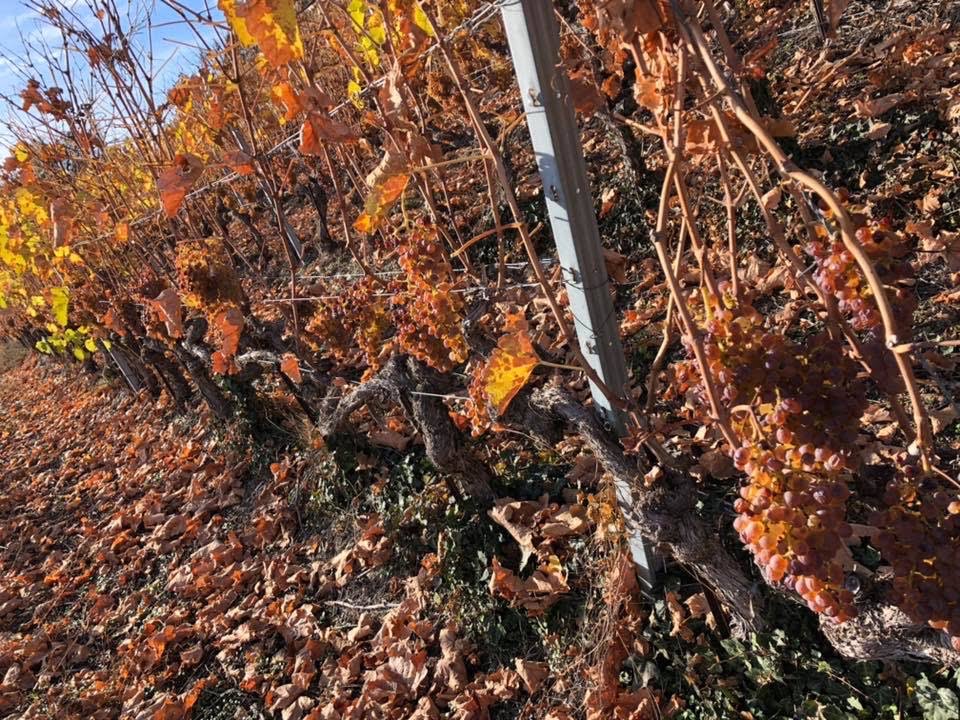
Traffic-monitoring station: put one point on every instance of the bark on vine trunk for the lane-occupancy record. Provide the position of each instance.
(400, 382)
(212, 395)
(169, 372)
(666, 516)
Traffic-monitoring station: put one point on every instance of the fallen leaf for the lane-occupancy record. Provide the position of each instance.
(532, 673)
(875, 108)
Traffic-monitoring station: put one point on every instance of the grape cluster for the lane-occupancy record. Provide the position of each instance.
(919, 537)
(206, 279)
(427, 311)
(837, 274)
(474, 413)
(354, 318)
(795, 411)
(793, 522)
(418, 313)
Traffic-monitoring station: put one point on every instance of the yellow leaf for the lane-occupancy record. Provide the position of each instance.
(354, 93)
(90, 344)
(273, 24)
(510, 365)
(58, 303)
(421, 21)
(237, 23)
(365, 224)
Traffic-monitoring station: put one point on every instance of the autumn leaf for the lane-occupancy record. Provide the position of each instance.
(510, 364)
(176, 181)
(285, 94)
(237, 23)
(535, 594)
(532, 673)
(875, 108)
(387, 182)
(112, 322)
(239, 161)
(122, 232)
(59, 298)
(61, 216)
(290, 366)
(167, 304)
(230, 324)
(585, 93)
(270, 24)
(320, 127)
(516, 517)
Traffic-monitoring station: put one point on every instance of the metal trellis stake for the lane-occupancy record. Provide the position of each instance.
(534, 40)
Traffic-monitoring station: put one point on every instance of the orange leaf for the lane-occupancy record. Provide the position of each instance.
(273, 24)
(122, 232)
(222, 365)
(230, 324)
(511, 364)
(290, 367)
(167, 304)
(190, 699)
(285, 94)
(386, 189)
(320, 127)
(111, 321)
(239, 162)
(176, 181)
(172, 709)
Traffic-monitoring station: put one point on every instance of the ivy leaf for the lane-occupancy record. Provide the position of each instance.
(511, 364)
(937, 703)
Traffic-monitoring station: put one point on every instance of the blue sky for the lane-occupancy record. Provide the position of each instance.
(171, 41)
